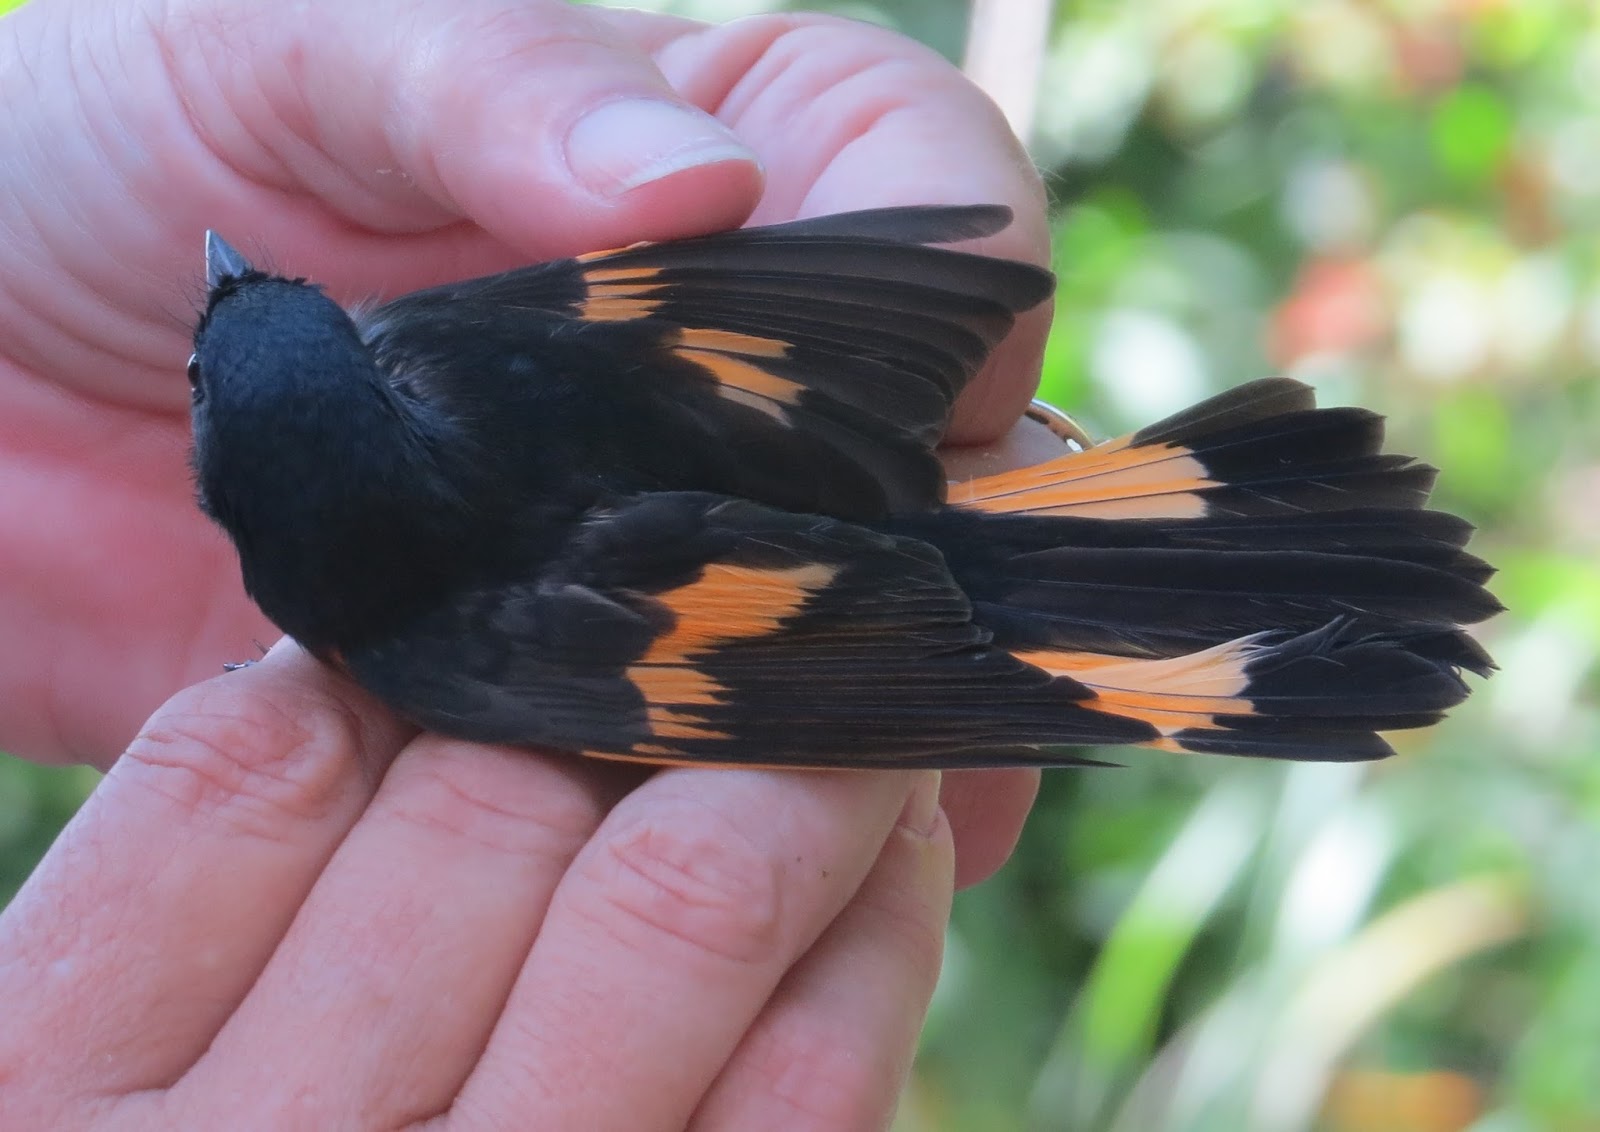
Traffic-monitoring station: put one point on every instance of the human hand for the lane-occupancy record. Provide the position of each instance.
(246, 927)
(382, 147)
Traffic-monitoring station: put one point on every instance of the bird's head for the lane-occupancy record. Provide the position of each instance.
(303, 452)
(269, 347)
(280, 380)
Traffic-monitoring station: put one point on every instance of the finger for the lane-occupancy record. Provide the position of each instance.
(532, 118)
(986, 809)
(662, 944)
(847, 116)
(1026, 443)
(159, 905)
(407, 947)
(832, 1048)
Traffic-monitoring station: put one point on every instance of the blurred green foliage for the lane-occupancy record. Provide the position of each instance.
(1398, 201)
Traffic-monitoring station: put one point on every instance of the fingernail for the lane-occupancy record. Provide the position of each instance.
(921, 813)
(621, 145)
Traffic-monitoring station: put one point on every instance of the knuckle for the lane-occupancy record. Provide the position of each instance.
(809, 38)
(689, 874)
(505, 800)
(502, 40)
(911, 918)
(251, 761)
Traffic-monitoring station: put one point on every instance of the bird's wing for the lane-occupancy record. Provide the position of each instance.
(685, 627)
(830, 348)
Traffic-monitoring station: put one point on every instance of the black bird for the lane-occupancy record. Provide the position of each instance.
(678, 503)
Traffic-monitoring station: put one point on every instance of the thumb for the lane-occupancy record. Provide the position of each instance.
(534, 119)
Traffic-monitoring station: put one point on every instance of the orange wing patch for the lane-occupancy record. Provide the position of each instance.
(670, 724)
(732, 342)
(747, 384)
(1109, 481)
(664, 682)
(729, 603)
(619, 294)
(726, 604)
(625, 294)
(618, 304)
(607, 253)
(724, 354)
(1170, 695)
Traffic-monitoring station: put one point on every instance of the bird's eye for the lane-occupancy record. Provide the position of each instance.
(194, 373)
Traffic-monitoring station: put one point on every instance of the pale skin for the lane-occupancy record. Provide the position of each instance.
(281, 897)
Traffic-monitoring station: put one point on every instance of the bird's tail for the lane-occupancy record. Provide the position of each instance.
(1252, 576)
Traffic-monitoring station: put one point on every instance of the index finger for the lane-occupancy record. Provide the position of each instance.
(845, 116)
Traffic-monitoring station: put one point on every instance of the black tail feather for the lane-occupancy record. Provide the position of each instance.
(1253, 576)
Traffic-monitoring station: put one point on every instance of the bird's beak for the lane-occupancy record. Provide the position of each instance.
(222, 261)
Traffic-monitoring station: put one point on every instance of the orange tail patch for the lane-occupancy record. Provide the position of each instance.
(1115, 480)
(1180, 693)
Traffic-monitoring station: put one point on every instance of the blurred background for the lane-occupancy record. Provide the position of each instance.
(1397, 201)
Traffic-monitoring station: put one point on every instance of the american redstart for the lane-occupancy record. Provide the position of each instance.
(678, 502)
